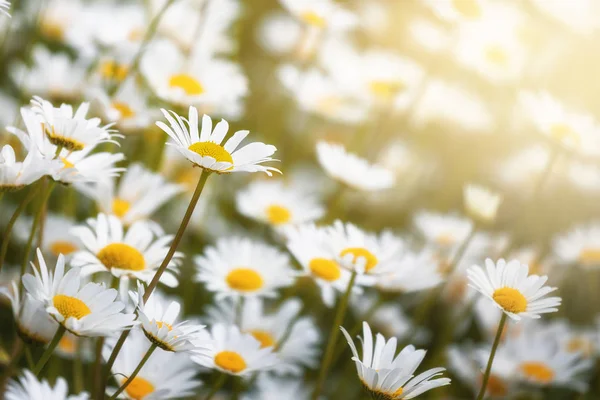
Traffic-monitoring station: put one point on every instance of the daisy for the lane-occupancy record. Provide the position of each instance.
(512, 289)
(390, 376)
(387, 317)
(90, 310)
(580, 246)
(205, 151)
(15, 175)
(72, 347)
(584, 176)
(443, 230)
(352, 170)
(136, 253)
(279, 33)
(237, 353)
(5, 7)
(165, 375)
(524, 167)
(242, 267)
(295, 339)
(362, 252)
(308, 244)
(57, 238)
(158, 320)
(34, 325)
(30, 388)
(416, 271)
(277, 204)
(428, 35)
(139, 194)
(275, 388)
(457, 10)
(320, 14)
(481, 203)
(581, 15)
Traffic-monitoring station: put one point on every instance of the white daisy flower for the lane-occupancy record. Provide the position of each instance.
(139, 194)
(274, 388)
(71, 346)
(584, 176)
(580, 246)
(572, 338)
(579, 15)
(352, 170)
(362, 252)
(278, 204)
(308, 244)
(293, 338)
(28, 387)
(387, 375)
(90, 310)
(136, 253)
(457, 10)
(414, 272)
(166, 375)
(158, 318)
(512, 289)
(5, 7)
(321, 14)
(34, 325)
(204, 148)
(279, 33)
(443, 230)
(57, 237)
(15, 175)
(428, 35)
(237, 353)
(524, 167)
(481, 203)
(387, 317)
(242, 267)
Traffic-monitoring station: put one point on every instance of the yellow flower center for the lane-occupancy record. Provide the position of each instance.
(510, 300)
(62, 247)
(210, 149)
(160, 324)
(537, 371)
(67, 163)
(123, 109)
(244, 279)
(264, 337)
(312, 18)
(278, 215)
(138, 388)
(398, 392)
(61, 141)
(187, 83)
(67, 345)
(230, 361)
(467, 8)
(360, 252)
(329, 104)
(589, 256)
(112, 70)
(580, 345)
(445, 239)
(496, 55)
(120, 207)
(122, 256)
(69, 306)
(386, 89)
(52, 30)
(496, 387)
(564, 133)
(325, 269)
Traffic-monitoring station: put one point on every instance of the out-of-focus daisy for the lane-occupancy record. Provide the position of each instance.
(138, 195)
(512, 289)
(165, 375)
(352, 170)
(34, 325)
(581, 245)
(15, 175)
(204, 148)
(584, 176)
(457, 10)
(136, 253)
(276, 204)
(5, 7)
(309, 245)
(90, 310)
(71, 346)
(574, 130)
(279, 33)
(572, 338)
(274, 388)
(443, 230)
(28, 387)
(57, 237)
(293, 338)
(524, 167)
(237, 353)
(428, 35)
(387, 317)
(387, 375)
(242, 267)
(415, 271)
(481, 203)
(362, 252)
(320, 14)
(158, 318)
(579, 15)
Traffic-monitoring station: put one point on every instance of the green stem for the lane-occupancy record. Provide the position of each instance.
(97, 370)
(135, 372)
(78, 369)
(218, 385)
(333, 335)
(49, 350)
(488, 369)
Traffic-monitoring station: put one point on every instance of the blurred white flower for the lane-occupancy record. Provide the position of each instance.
(15, 175)
(30, 388)
(579, 15)
(443, 230)
(579, 246)
(481, 203)
(279, 33)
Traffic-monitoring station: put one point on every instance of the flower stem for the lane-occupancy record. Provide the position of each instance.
(135, 372)
(333, 335)
(97, 370)
(49, 350)
(488, 369)
(218, 385)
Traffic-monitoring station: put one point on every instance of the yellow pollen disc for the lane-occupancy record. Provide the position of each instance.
(278, 215)
(123, 109)
(160, 324)
(122, 256)
(69, 306)
(135, 35)
(230, 361)
(120, 207)
(398, 392)
(386, 89)
(537, 371)
(445, 239)
(496, 55)
(563, 132)
(312, 18)
(325, 269)
(113, 70)
(467, 8)
(210, 149)
(496, 387)
(67, 163)
(580, 345)
(138, 388)
(52, 30)
(329, 104)
(62, 141)
(67, 345)
(264, 337)
(589, 256)
(361, 252)
(510, 300)
(190, 86)
(244, 279)
(62, 247)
